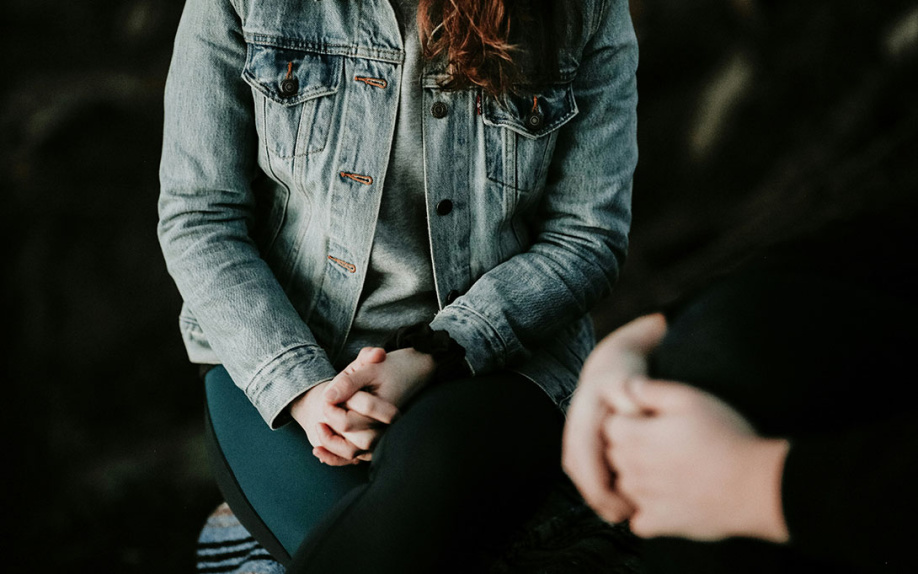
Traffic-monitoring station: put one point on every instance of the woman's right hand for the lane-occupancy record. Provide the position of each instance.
(344, 433)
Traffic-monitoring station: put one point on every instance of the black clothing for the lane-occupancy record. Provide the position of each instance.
(464, 466)
(814, 342)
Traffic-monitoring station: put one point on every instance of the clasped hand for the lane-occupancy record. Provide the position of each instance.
(345, 417)
(672, 459)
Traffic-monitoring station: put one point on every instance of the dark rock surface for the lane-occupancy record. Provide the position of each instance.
(759, 122)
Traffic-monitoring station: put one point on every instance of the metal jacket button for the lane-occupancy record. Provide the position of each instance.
(289, 87)
(444, 207)
(452, 296)
(438, 110)
(535, 120)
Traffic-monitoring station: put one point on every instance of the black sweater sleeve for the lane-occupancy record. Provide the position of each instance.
(851, 495)
(815, 343)
(822, 354)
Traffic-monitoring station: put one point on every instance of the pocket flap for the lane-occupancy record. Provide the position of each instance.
(534, 112)
(291, 77)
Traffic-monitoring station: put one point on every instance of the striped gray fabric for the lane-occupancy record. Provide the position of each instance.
(226, 547)
(564, 537)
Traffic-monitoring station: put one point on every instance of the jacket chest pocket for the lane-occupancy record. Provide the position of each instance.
(520, 134)
(294, 97)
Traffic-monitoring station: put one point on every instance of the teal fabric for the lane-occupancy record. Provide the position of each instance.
(439, 483)
(243, 439)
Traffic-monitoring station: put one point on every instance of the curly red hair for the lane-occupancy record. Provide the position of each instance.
(474, 37)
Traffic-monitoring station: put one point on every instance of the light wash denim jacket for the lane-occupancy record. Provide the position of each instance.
(279, 122)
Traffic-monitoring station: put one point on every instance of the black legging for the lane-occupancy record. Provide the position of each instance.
(466, 463)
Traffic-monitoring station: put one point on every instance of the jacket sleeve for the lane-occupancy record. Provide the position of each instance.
(851, 496)
(583, 220)
(206, 206)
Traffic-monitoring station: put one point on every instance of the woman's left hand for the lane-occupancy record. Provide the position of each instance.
(349, 430)
(395, 379)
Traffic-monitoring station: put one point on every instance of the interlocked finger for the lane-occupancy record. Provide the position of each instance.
(343, 420)
(359, 430)
(330, 459)
(337, 444)
(373, 407)
(363, 440)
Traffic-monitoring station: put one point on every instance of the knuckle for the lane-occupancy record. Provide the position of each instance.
(327, 440)
(592, 496)
(358, 402)
(639, 525)
(346, 381)
(369, 406)
(341, 450)
(325, 443)
(612, 515)
(359, 440)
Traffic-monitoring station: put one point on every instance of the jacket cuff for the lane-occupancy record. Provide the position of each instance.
(485, 349)
(286, 377)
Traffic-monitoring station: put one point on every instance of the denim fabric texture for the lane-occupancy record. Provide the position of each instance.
(279, 124)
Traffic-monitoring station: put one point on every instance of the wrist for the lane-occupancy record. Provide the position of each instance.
(447, 355)
(299, 405)
(424, 363)
(766, 513)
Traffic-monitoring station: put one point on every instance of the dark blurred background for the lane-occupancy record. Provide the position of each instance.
(759, 122)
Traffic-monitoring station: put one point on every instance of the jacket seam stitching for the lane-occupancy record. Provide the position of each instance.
(602, 15)
(273, 360)
(329, 48)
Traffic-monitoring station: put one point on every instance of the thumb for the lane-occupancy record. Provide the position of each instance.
(366, 356)
(654, 396)
(344, 386)
(642, 334)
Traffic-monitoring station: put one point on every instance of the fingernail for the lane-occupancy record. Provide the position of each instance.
(331, 394)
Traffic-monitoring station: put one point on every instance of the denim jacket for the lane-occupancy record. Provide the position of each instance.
(279, 122)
